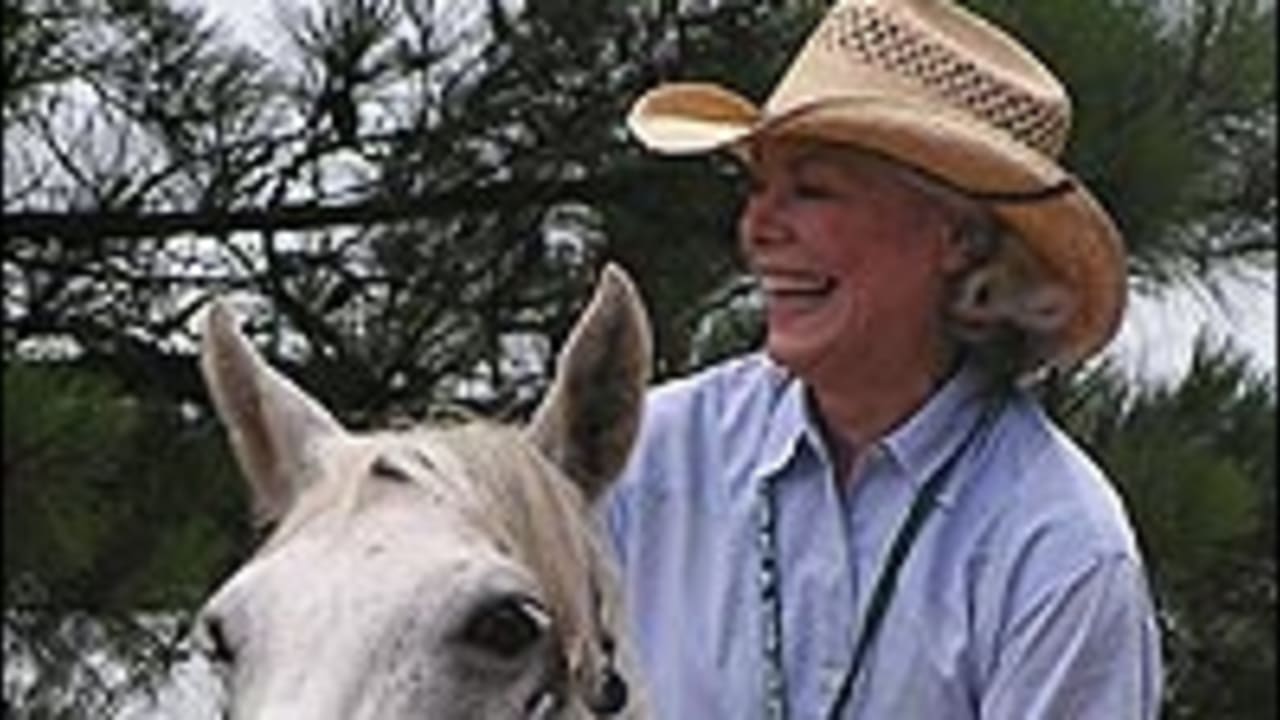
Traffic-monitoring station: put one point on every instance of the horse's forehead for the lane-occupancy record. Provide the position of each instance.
(416, 451)
(389, 493)
(384, 556)
(359, 469)
(322, 606)
(422, 498)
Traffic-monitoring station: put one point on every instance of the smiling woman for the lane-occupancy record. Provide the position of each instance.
(849, 256)
(872, 517)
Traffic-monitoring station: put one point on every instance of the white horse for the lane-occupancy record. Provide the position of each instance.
(439, 573)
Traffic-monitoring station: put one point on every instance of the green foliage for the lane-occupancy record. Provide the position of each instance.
(113, 506)
(48, 434)
(110, 502)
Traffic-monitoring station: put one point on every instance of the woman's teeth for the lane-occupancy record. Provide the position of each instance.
(795, 284)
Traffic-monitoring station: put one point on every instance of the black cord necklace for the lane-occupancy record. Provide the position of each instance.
(775, 700)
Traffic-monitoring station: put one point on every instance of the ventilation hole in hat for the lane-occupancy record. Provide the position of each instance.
(910, 62)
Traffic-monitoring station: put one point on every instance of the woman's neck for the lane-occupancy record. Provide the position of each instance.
(859, 406)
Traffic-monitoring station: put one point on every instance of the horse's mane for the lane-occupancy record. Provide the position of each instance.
(501, 484)
(545, 520)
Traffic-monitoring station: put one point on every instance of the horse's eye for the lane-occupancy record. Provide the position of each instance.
(217, 646)
(507, 626)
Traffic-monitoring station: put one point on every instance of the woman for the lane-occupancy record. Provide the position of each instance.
(871, 518)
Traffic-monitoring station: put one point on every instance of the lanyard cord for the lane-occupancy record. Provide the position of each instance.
(775, 692)
(881, 594)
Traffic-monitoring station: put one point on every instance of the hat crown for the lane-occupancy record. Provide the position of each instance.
(933, 52)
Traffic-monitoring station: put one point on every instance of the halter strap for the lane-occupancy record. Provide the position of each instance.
(881, 595)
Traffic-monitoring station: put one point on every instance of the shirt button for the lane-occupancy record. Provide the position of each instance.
(877, 455)
(832, 673)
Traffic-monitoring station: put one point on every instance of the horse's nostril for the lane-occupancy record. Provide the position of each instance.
(506, 627)
(612, 694)
(217, 646)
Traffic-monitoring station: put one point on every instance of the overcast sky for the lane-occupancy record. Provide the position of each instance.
(1155, 340)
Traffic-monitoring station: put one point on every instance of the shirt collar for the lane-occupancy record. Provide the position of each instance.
(918, 446)
(930, 436)
(790, 430)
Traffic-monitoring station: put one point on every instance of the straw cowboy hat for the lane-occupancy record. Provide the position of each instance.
(939, 89)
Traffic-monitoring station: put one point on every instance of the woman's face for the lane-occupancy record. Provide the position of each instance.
(851, 257)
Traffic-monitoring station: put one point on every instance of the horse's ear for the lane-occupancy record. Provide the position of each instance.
(274, 425)
(589, 418)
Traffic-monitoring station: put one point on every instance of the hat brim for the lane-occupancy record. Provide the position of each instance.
(1069, 231)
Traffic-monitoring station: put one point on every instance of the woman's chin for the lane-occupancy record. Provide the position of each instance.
(803, 335)
(798, 355)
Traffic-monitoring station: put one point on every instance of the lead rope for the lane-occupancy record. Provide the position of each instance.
(770, 589)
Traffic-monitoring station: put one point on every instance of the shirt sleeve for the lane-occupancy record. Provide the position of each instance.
(1086, 648)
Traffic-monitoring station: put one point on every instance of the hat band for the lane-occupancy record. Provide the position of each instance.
(1031, 196)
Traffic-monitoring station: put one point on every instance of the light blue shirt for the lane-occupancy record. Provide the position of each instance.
(1023, 596)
